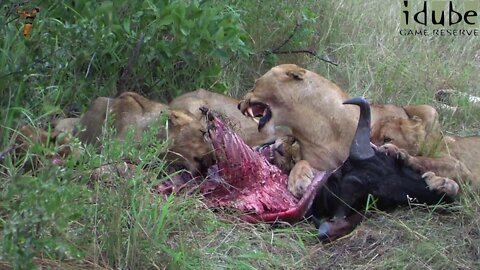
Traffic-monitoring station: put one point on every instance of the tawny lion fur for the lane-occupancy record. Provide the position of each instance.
(450, 156)
(311, 106)
(227, 106)
(133, 111)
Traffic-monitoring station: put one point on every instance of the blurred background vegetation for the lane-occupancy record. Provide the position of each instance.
(79, 50)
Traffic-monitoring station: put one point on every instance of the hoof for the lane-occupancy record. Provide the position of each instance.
(324, 230)
(338, 227)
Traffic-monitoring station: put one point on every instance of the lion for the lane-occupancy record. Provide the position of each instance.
(129, 110)
(28, 135)
(61, 136)
(133, 111)
(312, 108)
(226, 106)
(66, 125)
(454, 157)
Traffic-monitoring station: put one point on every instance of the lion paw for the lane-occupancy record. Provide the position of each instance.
(441, 184)
(300, 178)
(393, 151)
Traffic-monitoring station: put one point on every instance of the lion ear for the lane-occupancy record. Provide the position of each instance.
(296, 74)
(178, 118)
(417, 119)
(416, 124)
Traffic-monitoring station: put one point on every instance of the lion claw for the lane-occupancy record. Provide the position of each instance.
(441, 184)
(392, 150)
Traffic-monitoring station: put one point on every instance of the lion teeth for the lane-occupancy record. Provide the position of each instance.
(250, 112)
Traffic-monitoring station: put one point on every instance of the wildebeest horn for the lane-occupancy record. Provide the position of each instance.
(361, 148)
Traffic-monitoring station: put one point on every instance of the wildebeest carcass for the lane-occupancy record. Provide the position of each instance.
(368, 171)
(245, 180)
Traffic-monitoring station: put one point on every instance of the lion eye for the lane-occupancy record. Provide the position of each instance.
(387, 140)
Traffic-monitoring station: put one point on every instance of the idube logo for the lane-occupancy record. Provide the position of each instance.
(440, 18)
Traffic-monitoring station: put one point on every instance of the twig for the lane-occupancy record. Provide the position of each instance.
(125, 80)
(288, 39)
(11, 73)
(310, 52)
(307, 52)
(90, 65)
(11, 20)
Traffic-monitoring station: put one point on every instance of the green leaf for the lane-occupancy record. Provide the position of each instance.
(126, 25)
(185, 30)
(166, 20)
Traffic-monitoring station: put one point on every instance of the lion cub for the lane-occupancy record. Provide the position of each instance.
(450, 156)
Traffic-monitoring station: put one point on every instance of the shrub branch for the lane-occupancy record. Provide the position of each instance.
(125, 81)
(310, 52)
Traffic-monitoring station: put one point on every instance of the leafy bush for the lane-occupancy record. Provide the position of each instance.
(82, 49)
(42, 212)
(79, 49)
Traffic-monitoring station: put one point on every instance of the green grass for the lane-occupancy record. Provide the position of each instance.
(57, 217)
(377, 62)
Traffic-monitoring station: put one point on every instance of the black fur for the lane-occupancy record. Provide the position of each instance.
(384, 177)
(367, 172)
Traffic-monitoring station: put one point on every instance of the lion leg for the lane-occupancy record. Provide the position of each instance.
(441, 184)
(446, 166)
(29, 135)
(300, 178)
(401, 154)
(428, 167)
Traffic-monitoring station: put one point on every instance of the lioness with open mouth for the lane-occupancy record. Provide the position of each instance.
(311, 106)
